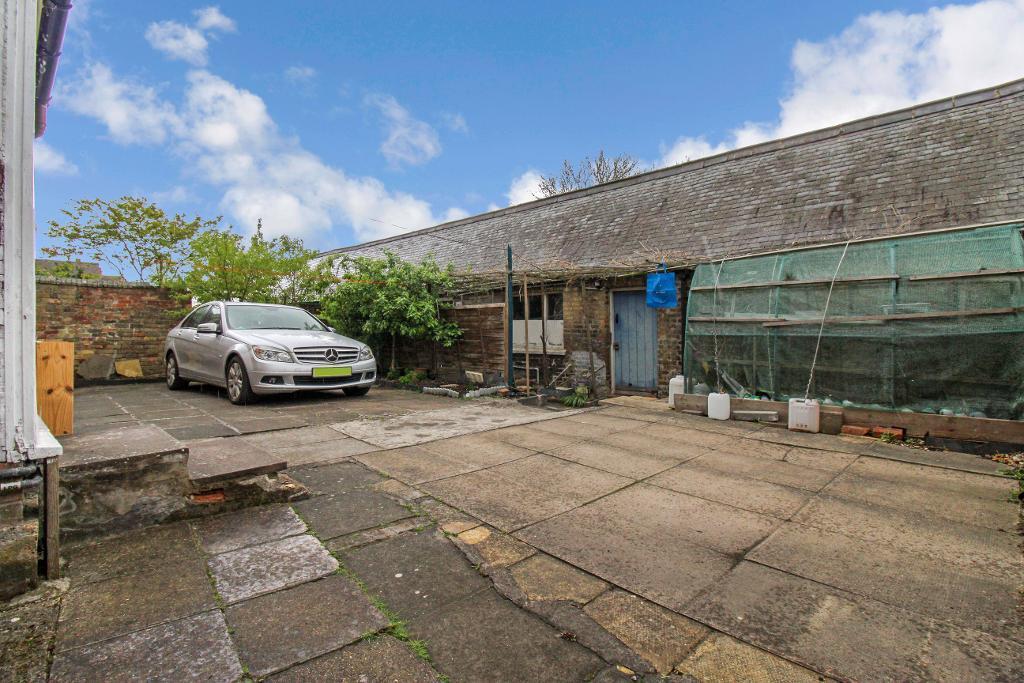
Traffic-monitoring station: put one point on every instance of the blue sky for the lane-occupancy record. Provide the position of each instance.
(338, 121)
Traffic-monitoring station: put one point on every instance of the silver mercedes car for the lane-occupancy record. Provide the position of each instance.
(253, 349)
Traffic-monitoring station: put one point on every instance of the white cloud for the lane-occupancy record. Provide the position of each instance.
(48, 160)
(524, 188)
(886, 61)
(455, 213)
(189, 43)
(178, 41)
(178, 194)
(133, 113)
(300, 74)
(409, 140)
(211, 19)
(455, 122)
(229, 140)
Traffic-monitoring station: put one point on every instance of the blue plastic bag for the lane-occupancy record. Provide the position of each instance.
(661, 289)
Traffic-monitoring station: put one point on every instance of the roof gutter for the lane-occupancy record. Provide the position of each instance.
(52, 23)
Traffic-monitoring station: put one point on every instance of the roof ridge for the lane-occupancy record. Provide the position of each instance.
(913, 111)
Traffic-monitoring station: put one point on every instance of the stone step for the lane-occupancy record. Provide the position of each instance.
(217, 460)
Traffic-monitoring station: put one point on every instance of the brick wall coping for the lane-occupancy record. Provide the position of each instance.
(79, 282)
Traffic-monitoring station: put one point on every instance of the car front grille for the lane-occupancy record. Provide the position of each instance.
(326, 381)
(318, 354)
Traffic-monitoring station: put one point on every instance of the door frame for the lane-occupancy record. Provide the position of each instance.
(611, 336)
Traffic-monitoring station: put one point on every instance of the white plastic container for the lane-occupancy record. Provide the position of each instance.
(718, 406)
(676, 385)
(804, 415)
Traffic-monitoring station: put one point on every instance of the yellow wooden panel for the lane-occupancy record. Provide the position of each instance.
(55, 385)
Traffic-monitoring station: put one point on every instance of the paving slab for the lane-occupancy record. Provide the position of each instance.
(542, 577)
(576, 483)
(335, 478)
(920, 583)
(350, 511)
(660, 636)
(397, 490)
(505, 503)
(604, 419)
(105, 609)
(757, 449)
(644, 414)
(640, 442)
(200, 431)
(376, 660)
(830, 461)
(293, 438)
(343, 544)
(742, 492)
(248, 572)
(432, 425)
(27, 627)
(619, 543)
(122, 440)
(284, 628)
(220, 459)
(722, 658)
(565, 427)
(765, 469)
(679, 434)
(965, 462)
(967, 506)
(131, 553)
(248, 527)
(493, 548)
(484, 637)
(415, 573)
(846, 635)
(615, 459)
(972, 547)
(482, 450)
(266, 423)
(416, 464)
(324, 451)
(196, 648)
(533, 439)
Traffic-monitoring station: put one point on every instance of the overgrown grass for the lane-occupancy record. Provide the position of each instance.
(1016, 473)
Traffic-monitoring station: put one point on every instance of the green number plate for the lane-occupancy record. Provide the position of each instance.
(332, 372)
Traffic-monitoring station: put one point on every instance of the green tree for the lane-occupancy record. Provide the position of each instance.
(380, 300)
(225, 266)
(133, 236)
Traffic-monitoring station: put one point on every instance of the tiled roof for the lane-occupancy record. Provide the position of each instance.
(947, 163)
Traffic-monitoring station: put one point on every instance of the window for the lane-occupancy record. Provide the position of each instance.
(555, 306)
(195, 316)
(212, 314)
(271, 318)
(535, 307)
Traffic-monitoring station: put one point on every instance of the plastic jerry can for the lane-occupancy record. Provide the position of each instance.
(676, 385)
(718, 406)
(804, 415)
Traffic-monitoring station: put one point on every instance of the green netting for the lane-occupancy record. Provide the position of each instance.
(894, 339)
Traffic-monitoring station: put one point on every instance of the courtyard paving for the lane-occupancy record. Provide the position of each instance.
(602, 545)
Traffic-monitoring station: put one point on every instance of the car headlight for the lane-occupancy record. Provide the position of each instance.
(270, 353)
(365, 353)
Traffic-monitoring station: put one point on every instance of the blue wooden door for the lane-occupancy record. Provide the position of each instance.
(636, 341)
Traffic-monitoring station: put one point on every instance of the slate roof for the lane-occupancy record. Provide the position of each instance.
(952, 162)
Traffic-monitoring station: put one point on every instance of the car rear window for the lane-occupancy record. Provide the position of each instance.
(271, 318)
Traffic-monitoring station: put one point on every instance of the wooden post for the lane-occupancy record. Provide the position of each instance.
(55, 385)
(51, 519)
(544, 334)
(509, 379)
(526, 330)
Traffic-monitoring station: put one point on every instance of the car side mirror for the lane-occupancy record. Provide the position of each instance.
(331, 329)
(208, 328)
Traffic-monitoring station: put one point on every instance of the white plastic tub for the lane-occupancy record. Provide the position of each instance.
(676, 385)
(718, 406)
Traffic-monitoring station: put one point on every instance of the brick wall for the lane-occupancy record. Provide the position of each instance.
(124, 321)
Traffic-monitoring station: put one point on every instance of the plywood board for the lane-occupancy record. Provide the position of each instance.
(55, 385)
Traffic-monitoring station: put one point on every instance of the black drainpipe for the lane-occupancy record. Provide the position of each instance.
(52, 23)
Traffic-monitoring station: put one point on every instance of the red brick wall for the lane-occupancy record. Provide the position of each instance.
(127, 321)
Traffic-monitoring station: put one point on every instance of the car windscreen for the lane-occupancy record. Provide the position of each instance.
(271, 318)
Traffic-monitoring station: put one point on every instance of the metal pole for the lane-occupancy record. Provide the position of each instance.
(508, 319)
(526, 330)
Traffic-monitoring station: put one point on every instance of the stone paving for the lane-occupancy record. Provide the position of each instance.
(615, 544)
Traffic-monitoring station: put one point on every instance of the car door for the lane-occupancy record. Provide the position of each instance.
(210, 348)
(185, 344)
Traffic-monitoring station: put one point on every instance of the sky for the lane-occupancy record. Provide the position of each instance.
(341, 122)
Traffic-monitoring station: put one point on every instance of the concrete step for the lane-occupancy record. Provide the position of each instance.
(217, 460)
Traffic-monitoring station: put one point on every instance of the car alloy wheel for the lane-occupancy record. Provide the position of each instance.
(235, 381)
(172, 371)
